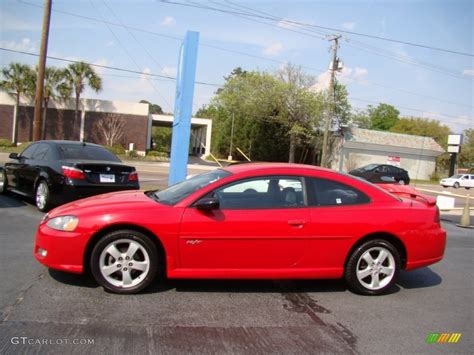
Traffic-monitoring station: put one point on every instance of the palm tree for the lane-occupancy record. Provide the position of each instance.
(18, 79)
(77, 75)
(55, 87)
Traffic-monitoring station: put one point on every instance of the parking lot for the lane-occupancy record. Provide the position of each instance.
(51, 312)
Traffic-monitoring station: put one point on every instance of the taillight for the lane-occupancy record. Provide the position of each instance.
(437, 219)
(133, 176)
(73, 173)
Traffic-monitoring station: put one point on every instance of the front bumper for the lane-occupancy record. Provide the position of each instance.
(64, 250)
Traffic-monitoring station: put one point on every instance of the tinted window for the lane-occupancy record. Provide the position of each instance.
(85, 152)
(41, 152)
(29, 151)
(393, 170)
(264, 192)
(330, 193)
(181, 190)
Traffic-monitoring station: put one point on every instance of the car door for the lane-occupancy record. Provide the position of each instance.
(262, 223)
(338, 213)
(17, 170)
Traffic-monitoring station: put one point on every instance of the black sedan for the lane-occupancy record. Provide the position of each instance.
(56, 172)
(382, 173)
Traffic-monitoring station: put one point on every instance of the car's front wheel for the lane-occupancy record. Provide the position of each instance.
(124, 262)
(456, 185)
(43, 196)
(372, 269)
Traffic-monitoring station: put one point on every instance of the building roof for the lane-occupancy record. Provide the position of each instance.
(392, 139)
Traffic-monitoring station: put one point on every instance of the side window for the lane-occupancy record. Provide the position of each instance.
(262, 193)
(41, 151)
(29, 151)
(331, 193)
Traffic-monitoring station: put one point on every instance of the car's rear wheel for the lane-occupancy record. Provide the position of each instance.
(372, 269)
(456, 185)
(124, 262)
(43, 196)
(402, 182)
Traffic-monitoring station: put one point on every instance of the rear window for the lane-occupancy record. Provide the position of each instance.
(86, 152)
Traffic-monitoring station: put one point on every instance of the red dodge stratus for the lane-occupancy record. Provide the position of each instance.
(249, 221)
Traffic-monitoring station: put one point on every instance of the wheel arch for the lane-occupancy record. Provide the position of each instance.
(115, 227)
(389, 237)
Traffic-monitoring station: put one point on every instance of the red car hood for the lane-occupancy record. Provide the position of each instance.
(112, 202)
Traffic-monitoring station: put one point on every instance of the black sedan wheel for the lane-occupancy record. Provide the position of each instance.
(124, 262)
(373, 268)
(3, 182)
(42, 196)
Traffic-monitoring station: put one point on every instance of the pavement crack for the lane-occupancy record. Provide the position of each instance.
(9, 309)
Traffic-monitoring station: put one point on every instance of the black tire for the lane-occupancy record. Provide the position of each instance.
(402, 182)
(456, 185)
(146, 253)
(356, 263)
(43, 203)
(3, 182)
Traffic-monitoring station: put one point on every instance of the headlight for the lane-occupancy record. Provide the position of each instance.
(63, 223)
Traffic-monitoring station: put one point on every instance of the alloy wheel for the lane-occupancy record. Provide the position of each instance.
(42, 195)
(376, 268)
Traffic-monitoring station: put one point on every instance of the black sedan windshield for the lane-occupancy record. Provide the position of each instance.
(181, 190)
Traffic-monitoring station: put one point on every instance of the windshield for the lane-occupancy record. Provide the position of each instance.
(86, 152)
(456, 177)
(369, 167)
(181, 190)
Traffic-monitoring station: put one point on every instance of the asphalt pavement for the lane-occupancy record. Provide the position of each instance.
(49, 312)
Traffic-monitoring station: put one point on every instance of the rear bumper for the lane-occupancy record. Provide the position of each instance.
(428, 252)
(70, 193)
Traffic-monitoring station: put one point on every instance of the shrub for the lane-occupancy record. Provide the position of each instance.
(132, 154)
(435, 176)
(116, 149)
(154, 153)
(5, 143)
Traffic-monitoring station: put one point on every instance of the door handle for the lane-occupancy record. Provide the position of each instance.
(296, 222)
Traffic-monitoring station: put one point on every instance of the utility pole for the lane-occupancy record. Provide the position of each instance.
(41, 68)
(334, 66)
(231, 138)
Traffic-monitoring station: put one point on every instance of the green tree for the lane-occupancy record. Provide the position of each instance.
(466, 157)
(383, 117)
(361, 118)
(18, 80)
(154, 108)
(77, 76)
(302, 109)
(343, 106)
(55, 88)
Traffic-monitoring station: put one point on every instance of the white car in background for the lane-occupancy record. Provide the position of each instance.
(459, 180)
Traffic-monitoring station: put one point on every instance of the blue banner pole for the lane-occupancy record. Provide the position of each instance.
(183, 108)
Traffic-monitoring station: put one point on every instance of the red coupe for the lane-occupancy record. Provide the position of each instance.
(249, 221)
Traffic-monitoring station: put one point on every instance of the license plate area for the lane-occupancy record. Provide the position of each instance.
(107, 178)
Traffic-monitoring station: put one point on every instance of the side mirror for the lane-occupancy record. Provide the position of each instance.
(207, 204)
(13, 156)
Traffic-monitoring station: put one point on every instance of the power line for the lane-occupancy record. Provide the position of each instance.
(328, 28)
(106, 67)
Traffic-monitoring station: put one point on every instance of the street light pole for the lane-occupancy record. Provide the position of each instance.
(41, 69)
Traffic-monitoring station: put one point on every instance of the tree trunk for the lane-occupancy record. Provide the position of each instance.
(76, 114)
(15, 120)
(291, 158)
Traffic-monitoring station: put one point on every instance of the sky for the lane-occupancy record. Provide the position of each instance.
(145, 36)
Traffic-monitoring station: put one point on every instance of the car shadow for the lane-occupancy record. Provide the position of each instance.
(8, 201)
(420, 278)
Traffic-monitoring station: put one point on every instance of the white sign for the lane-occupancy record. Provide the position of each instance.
(444, 202)
(455, 139)
(453, 149)
(393, 160)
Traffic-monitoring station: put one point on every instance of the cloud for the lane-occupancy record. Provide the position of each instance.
(468, 72)
(169, 71)
(110, 44)
(273, 49)
(100, 61)
(287, 25)
(25, 45)
(349, 25)
(168, 21)
(345, 76)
